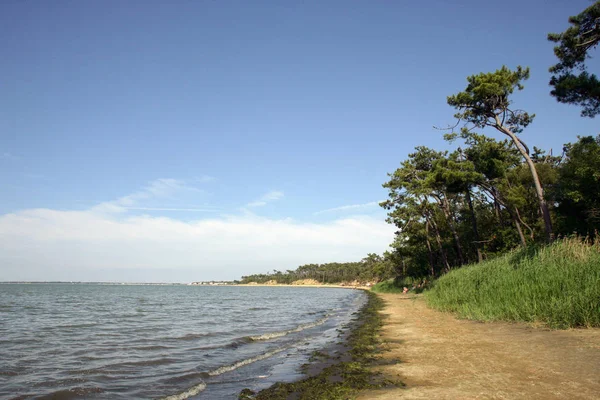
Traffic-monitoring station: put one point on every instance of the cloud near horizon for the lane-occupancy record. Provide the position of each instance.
(45, 244)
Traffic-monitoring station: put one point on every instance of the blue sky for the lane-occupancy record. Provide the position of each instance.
(138, 137)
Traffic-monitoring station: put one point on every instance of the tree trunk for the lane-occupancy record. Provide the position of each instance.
(497, 209)
(450, 221)
(518, 226)
(438, 239)
(431, 259)
(536, 180)
(474, 223)
(531, 232)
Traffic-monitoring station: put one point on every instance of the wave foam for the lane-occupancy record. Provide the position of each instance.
(193, 391)
(247, 361)
(299, 328)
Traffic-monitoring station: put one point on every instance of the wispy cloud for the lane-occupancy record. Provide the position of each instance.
(172, 209)
(268, 197)
(348, 207)
(8, 156)
(158, 189)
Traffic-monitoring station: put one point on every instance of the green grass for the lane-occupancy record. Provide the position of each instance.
(389, 286)
(557, 285)
(344, 379)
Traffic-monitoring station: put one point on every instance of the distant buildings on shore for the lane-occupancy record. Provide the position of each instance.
(213, 283)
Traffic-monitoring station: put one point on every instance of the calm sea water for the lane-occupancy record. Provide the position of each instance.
(92, 341)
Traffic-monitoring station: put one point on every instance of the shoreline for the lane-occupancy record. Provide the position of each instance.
(341, 370)
(416, 352)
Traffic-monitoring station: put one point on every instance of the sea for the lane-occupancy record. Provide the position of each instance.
(124, 341)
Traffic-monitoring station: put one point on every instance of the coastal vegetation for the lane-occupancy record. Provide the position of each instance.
(489, 199)
(556, 285)
(496, 227)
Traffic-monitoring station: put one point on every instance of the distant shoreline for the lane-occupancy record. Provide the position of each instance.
(290, 285)
(326, 285)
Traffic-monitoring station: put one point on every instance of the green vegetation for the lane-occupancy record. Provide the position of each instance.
(578, 195)
(415, 285)
(369, 269)
(347, 375)
(574, 44)
(454, 208)
(389, 286)
(557, 285)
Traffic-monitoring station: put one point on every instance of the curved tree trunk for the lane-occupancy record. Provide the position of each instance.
(518, 226)
(536, 179)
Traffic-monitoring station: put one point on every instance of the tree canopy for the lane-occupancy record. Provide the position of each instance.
(571, 82)
(486, 102)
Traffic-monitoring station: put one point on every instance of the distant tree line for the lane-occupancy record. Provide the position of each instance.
(372, 268)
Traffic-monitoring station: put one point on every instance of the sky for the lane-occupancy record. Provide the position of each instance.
(178, 141)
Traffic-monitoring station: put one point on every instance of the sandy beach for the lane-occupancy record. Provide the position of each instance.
(439, 356)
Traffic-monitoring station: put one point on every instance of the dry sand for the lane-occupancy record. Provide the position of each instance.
(440, 357)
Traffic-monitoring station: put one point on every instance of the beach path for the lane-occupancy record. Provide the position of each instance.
(439, 356)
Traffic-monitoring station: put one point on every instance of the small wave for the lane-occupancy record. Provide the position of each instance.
(70, 393)
(151, 347)
(118, 367)
(91, 371)
(299, 328)
(234, 344)
(60, 382)
(124, 316)
(193, 336)
(145, 363)
(185, 378)
(193, 391)
(258, 308)
(88, 325)
(209, 347)
(12, 371)
(232, 367)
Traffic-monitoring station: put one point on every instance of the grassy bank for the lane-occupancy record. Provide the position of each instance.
(346, 375)
(557, 285)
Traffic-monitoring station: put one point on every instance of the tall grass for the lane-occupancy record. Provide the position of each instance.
(558, 285)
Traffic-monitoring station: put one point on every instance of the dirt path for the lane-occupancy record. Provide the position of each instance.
(441, 357)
